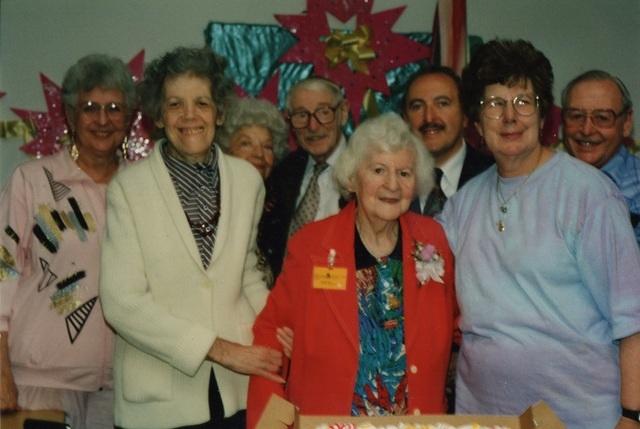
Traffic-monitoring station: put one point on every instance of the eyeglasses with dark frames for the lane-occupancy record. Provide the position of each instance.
(324, 115)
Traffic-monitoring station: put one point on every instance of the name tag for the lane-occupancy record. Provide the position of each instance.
(329, 278)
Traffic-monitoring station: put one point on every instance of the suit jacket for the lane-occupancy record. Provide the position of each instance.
(325, 356)
(283, 189)
(166, 308)
(475, 162)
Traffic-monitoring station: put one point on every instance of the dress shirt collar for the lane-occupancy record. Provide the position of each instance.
(451, 171)
(614, 168)
(342, 143)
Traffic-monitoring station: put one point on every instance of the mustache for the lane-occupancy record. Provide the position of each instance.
(581, 138)
(428, 126)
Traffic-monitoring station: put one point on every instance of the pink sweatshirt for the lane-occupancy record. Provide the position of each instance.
(52, 216)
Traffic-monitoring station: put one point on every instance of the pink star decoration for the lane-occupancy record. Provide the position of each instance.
(50, 125)
(390, 50)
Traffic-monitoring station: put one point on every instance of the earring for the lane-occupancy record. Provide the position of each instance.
(125, 148)
(73, 151)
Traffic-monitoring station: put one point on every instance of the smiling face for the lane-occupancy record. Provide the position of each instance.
(385, 185)
(317, 139)
(189, 116)
(434, 113)
(588, 142)
(513, 137)
(254, 144)
(99, 134)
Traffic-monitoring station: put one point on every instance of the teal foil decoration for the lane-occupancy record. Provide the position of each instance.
(253, 52)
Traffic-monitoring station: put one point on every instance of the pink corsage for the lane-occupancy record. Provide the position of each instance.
(429, 263)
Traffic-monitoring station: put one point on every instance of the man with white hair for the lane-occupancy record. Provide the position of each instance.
(301, 188)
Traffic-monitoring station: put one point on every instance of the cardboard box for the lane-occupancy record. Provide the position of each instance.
(280, 413)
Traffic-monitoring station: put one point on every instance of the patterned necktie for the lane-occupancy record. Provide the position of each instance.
(437, 198)
(308, 207)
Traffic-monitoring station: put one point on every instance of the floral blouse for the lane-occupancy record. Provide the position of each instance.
(381, 383)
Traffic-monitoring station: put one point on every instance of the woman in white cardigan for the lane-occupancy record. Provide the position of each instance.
(179, 281)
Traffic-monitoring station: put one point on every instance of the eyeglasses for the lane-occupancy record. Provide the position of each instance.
(524, 105)
(601, 118)
(91, 109)
(324, 115)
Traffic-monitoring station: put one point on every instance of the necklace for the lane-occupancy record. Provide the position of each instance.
(206, 227)
(380, 259)
(503, 203)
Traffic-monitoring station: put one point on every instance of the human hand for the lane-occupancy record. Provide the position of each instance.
(250, 360)
(8, 389)
(625, 423)
(285, 337)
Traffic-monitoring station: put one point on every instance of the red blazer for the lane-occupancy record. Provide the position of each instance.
(325, 355)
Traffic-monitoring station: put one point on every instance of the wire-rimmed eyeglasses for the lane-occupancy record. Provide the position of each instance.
(601, 118)
(524, 105)
(115, 111)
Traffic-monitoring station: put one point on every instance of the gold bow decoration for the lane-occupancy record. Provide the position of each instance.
(17, 129)
(352, 47)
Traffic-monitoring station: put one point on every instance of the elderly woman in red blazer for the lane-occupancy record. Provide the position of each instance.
(369, 292)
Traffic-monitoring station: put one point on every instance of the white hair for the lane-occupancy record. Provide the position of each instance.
(385, 133)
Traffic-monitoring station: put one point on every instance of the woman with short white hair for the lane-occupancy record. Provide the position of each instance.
(368, 293)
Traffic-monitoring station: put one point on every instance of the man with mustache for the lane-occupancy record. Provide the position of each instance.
(301, 188)
(597, 116)
(432, 107)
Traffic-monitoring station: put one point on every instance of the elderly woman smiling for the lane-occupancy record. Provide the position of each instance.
(255, 130)
(368, 292)
(547, 265)
(179, 279)
(55, 347)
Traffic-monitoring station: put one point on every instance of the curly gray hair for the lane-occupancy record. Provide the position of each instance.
(385, 133)
(245, 112)
(98, 71)
(200, 62)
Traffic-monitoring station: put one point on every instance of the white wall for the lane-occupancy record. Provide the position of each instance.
(49, 35)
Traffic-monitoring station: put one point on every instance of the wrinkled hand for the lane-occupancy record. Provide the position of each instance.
(8, 390)
(285, 337)
(250, 360)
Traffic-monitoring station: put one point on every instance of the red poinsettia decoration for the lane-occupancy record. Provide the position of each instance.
(357, 60)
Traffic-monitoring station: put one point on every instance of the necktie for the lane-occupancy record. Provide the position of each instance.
(437, 198)
(308, 207)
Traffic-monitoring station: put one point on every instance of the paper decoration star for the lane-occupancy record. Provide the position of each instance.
(136, 66)
(50, 125)
(269, 92)
(391, 50)
(341, 9)
(139, 143)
